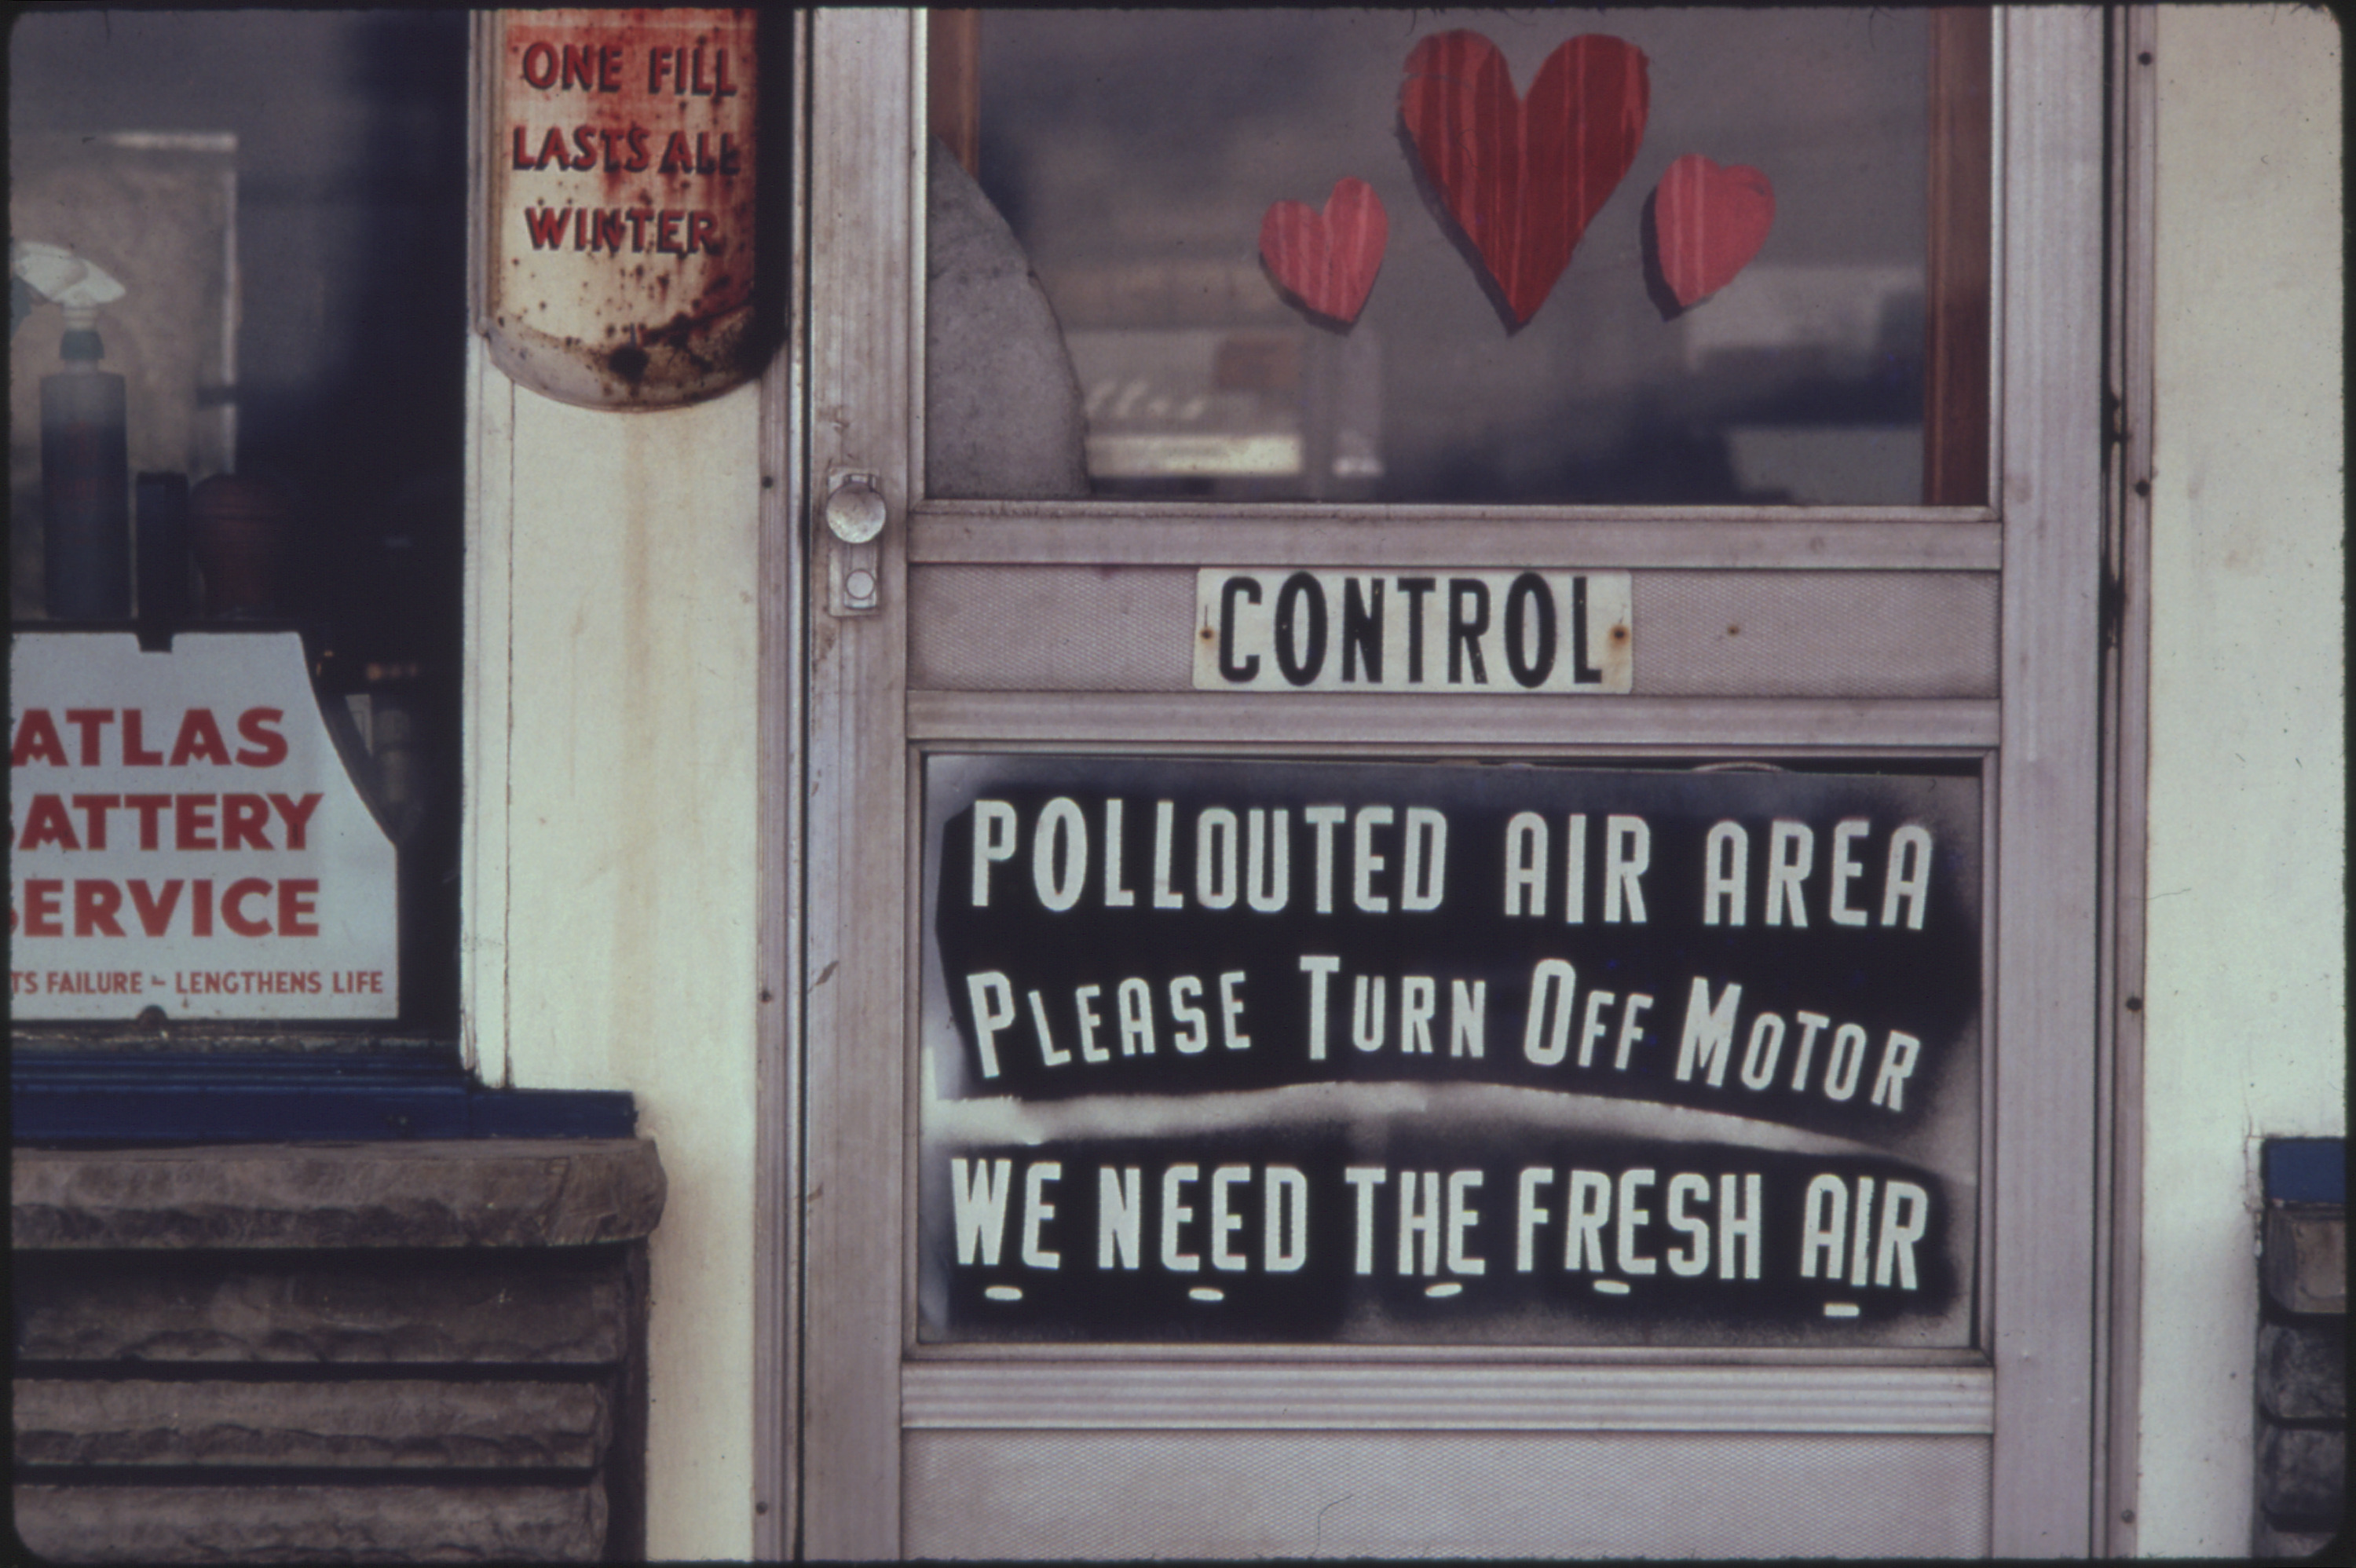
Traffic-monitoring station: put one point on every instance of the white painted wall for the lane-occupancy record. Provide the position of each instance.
(2244, 1016)
(611, 883)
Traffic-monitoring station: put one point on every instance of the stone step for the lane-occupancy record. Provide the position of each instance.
(376, 1423)
(312, 1524)
(565, 1306)
(2303, 1371)
(490, 1192)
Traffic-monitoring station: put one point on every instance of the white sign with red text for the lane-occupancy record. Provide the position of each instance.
(186, 837)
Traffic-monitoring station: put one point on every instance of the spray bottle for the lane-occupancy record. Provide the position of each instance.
(85, 461)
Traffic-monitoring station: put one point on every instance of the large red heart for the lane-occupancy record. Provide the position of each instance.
(1523, 179)
(1708, 222)
(1328, 259)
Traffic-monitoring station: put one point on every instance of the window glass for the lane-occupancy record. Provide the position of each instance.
(1225, 1051)
(1741, 320)
(281, 197)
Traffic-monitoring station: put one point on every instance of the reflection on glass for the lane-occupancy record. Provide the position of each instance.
(282, 197)
(1135, 153)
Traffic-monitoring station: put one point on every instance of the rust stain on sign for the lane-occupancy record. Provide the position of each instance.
(623, 214)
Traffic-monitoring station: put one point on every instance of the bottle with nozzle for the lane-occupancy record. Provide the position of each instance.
(85, 458)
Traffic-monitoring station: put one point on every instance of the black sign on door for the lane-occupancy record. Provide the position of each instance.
(1461, 1053)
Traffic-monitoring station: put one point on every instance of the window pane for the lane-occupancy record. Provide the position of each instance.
(1224, 1050)
(282, 197)
(1136, 156)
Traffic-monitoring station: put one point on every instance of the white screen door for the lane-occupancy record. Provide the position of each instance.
(1463, 922)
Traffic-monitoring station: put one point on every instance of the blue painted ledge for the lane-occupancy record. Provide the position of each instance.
(2307, 1171)
(75, 1097)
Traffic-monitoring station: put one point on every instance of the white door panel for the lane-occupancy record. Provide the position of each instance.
(1955, 647)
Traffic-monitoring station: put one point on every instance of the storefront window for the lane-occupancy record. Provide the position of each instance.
(265, 211)
(1619, 257)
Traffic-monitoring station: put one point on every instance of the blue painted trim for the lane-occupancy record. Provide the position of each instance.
(551, 1114)
(2307, 1171)
(183, 1098)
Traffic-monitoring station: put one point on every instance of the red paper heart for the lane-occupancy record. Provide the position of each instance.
(1328, 259)
(1523, 179)
(1708, 222)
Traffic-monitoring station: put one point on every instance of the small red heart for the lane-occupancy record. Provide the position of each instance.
(1708, 222)
(1523, 179)
(1328, 259)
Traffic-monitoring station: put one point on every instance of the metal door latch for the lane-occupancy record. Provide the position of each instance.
(855, 513)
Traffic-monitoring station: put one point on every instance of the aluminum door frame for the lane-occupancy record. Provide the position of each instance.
(862, 198)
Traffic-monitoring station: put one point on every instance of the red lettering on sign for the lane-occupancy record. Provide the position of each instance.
(256, 727)
(90, 721)
(243, 819)
(297, 913)
(149, 807)
(547, 226)
(233, 914)
(581, 64)
(192, 822)
(37, 740)
(93, 809)
(155, 912)
(199, 740)
(46, 823)
(41, 896)
(295, 813)
(136, 753)
(98, 908)
(606, 229)
(96, 901)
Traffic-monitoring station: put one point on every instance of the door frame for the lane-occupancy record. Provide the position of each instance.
(859, 212)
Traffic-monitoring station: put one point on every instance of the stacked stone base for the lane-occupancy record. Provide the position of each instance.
(2302, 1382)
(301, 1353)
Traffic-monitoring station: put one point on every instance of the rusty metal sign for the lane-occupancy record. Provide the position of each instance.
(620, 241)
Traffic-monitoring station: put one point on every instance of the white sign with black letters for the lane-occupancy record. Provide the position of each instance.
(1462, 632)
